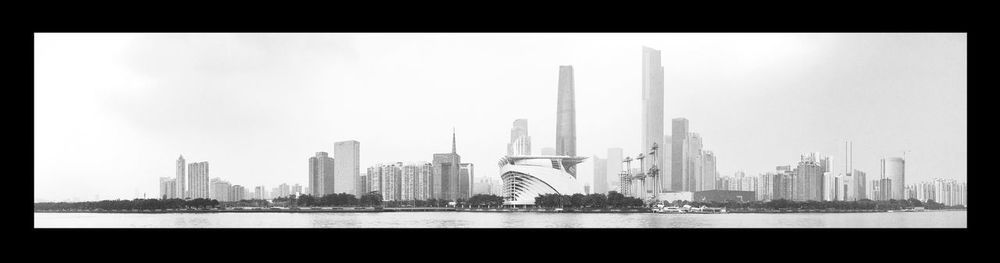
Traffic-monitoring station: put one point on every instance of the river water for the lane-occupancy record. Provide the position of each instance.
(932, 219)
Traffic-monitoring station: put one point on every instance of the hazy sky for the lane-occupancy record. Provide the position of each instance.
(114, 111)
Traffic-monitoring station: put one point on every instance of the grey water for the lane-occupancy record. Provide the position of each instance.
(931, 219)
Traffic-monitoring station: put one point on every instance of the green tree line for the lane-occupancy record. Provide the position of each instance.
(783, 204)
(135, 204)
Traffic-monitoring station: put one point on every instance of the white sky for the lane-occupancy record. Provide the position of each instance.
(113, 111)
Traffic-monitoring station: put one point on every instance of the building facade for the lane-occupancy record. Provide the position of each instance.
(614, 167)
(180, 188)
(566, 117)
(321, 174)
(347, 167)
(894, 169)
(652, 113)
(520, 142)
(198, 182)
(679, 154)
(444, 183)
(600, 175)
(168, 188)
(467, 177)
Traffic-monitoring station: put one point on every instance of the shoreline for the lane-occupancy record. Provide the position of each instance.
(478, 210)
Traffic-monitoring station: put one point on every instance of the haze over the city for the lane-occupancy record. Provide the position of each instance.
(114, 111)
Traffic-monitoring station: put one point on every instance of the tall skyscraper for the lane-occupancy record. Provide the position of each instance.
(566, 115)
(679, 154)
(652, 110)
(466, 175)
(347, 167)
(520, 142)
(614, 167)
(600, 175)
(321, 175)
(709, 172)
(445, 180)
(694, 174)
(181, 187)
(893, 168)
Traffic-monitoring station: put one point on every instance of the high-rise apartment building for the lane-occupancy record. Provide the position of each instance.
(808, 180)
(168, 188)
(181, 188)
(198, 180)
(709, 171)
(520, 142)
(237, 193)
(219, 190)
(321, 175)
(347, 167)
(652, 109)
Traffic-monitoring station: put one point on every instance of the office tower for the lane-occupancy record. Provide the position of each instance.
(520, 142)
(894, 169)
(860, 191)
(614, 166)
(709, 172)
(694, 175)
(652, 113)
(600, 175)
(566, 115)
(347, 167)
(167, 188)
(466, 174)
(679, 154)
(809, 180)
(181, 187)
(321, 175)
(197, 180)
(444, 184)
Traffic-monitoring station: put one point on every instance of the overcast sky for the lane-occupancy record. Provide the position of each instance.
(114, 111)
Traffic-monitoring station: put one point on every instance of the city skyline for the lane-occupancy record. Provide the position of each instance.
(247, 139)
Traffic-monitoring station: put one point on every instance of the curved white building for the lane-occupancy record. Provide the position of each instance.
(526, 177)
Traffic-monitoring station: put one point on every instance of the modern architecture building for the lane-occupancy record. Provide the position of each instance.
(444, 184)
(525, 177)
(709, 171)
(347, 167)
(181, 188)
(679, 154)
(520, 142)
(198, 180)
(600, 175)
(894, 169)
(321, 175)
(652, 110)
(466, 180)
(566, 117)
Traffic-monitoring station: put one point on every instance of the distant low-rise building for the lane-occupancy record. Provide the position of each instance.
(725, 196)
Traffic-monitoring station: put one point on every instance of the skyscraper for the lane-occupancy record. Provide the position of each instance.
(600, 175)
(694, 174)
(893, 168)
(566, 115)
(347, 167)
(321, 174)
(614, 167)
(466, 175)
(709, 172)
(679, 154)
(444, 184)
(652, 109)
(520, 142)
(198, 180)
(180, 188)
